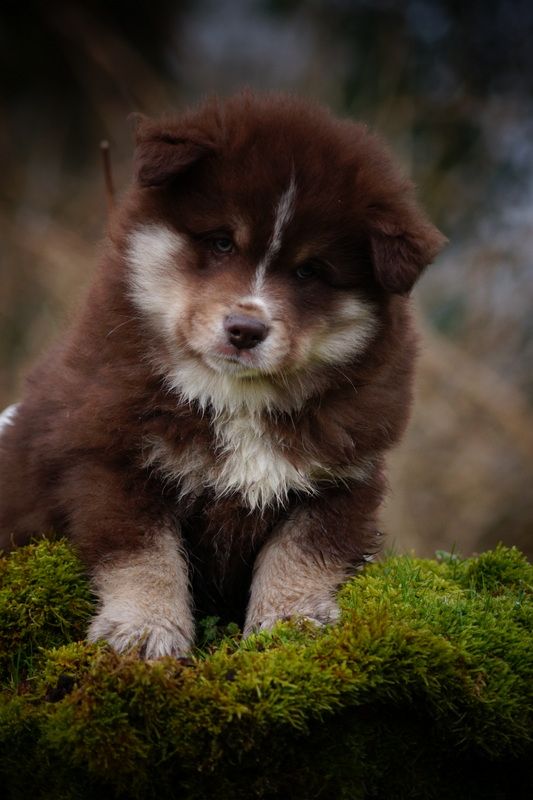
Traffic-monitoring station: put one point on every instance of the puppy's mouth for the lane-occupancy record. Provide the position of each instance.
(230, 360)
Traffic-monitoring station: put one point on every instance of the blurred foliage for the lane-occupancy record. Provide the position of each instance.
(433, 64)
(63, 61)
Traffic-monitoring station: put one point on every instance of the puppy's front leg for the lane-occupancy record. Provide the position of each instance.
(293, 579)
(145, 600)
(134, 554)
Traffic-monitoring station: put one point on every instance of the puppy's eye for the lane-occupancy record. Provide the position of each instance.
(308, 270)
(222, 245)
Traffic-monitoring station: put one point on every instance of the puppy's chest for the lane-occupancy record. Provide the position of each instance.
(245, 457)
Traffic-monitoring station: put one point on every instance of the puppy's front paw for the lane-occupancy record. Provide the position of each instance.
(154, 637)
(320, 613)
(144, 600)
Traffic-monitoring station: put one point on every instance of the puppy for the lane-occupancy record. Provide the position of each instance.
(211, 432)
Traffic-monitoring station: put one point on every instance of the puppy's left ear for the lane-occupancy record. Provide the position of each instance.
(403, 242)
(163, 151)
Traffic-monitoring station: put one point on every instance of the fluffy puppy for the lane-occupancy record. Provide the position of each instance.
(211, 432)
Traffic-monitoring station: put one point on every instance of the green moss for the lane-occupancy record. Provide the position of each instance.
(424, 690)
(44, 602)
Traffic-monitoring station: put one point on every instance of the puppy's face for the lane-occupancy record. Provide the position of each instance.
(252, 294)
(259, 241)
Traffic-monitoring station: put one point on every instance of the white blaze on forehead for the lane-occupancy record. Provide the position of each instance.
(283, 215)
(152, 254)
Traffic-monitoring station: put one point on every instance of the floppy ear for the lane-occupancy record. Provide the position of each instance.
(403, 242)
(163, 151)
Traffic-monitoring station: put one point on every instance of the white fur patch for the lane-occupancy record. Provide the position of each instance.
(283, 215)
(7, 416)
(248, 463)
(145, 601)
(152, 255)
(350, 331)
(253, 466)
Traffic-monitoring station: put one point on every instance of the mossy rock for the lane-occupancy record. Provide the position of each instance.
(424, 690)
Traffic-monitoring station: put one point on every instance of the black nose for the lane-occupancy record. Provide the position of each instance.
(244, 332)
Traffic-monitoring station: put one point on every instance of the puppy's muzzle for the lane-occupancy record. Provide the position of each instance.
(244, 332)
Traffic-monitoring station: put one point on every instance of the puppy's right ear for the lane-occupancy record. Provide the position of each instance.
(163, 151)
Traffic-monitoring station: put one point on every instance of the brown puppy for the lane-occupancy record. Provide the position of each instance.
(214, 426)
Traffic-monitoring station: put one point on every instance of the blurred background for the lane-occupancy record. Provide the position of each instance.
(449, 83)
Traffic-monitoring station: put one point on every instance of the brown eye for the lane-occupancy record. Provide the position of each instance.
(308, 270)
(222, 245)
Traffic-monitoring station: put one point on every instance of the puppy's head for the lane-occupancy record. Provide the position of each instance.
(262, 238)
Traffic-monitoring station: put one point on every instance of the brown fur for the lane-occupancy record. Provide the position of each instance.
(74, 460)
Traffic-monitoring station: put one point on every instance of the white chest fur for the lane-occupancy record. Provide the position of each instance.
(248, 460)
(253, 464)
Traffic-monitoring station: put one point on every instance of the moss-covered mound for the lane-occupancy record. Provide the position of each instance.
(424, 690)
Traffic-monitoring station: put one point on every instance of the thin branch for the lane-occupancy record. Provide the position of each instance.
(108, 175)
